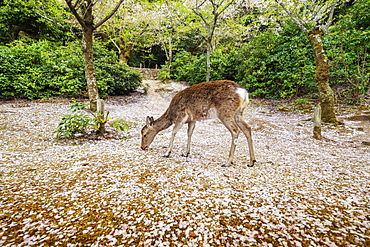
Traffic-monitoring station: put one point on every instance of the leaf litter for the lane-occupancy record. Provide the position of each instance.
(302, 192)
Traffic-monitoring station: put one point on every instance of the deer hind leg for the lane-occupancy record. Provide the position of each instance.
(231, 125)
(191, 126)
(247, 130)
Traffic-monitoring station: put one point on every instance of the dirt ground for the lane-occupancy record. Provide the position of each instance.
(108, 192)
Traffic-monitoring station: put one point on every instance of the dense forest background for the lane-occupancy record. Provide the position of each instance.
(253, 43)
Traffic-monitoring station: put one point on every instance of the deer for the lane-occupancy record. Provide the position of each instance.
(222, 99)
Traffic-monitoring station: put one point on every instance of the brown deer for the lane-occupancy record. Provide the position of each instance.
(223, 99)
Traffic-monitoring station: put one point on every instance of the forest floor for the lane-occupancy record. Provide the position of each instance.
(108, 192)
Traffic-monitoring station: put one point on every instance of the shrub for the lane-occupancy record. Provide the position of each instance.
(271, 65)
(187, 67)
(349, 45)
(278, 65)
(43, 69)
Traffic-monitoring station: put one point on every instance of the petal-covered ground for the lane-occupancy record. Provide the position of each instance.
(87, 192)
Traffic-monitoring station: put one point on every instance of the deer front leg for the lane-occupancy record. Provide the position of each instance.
(174, 131)
(191, 126)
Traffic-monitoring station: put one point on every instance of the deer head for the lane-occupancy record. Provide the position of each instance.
(148, 133)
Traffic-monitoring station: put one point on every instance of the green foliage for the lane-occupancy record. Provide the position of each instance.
(44, 69)
(278, 64)
(116, 79)
(272, 65)
(22, 18)
(349, 43)
(79, 122)
(164, 74)
(187, 67)
(40, 70)
(121, 124)
(76, 123)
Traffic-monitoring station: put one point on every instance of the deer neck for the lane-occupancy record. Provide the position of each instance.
(163, 122)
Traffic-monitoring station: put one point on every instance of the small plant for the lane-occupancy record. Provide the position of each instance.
(301, 102)
(78, 123)
(75, 123)
(121, 124)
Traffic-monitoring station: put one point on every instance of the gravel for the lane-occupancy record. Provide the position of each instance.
(108, 192)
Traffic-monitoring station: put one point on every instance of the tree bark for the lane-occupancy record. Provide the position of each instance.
(124, 50)
(90, 74)
(208, 59)
(322, 77)
(317, 123)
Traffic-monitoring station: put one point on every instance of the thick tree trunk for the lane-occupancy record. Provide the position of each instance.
(90, 74)
(322, 77)
(86, 20)
(87, 49)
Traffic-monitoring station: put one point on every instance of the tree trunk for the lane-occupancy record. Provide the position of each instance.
(92, 87)
(170, 53)
(208, 58)
(322, 77)
(124, 51)
(90, 74)
(87, 49)
(317, 123)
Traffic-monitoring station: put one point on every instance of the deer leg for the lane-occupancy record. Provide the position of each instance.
(191, 126)
(176, 128)
(234, 130)
(247, 130)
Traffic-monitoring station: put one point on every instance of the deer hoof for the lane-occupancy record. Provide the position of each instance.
(167, 155)
(253, 162)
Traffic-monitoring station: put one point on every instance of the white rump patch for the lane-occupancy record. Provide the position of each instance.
(243, 93)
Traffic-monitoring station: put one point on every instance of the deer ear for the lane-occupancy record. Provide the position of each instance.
(149, 121)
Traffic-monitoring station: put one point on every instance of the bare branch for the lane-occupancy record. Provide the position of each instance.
(110, 15)
(59, 24)
(51, 20)
(201, 16)
(77, 3)
(73, 9)
(298, 21)
(327, 25)
(226, 6)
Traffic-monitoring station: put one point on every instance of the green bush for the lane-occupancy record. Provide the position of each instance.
(278, 65)
(76, 123)
(43, 69)
(271, 65)
(349, 46)
(187, 67)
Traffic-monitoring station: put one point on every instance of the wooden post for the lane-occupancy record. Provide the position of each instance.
(100, 116)
(317, 123)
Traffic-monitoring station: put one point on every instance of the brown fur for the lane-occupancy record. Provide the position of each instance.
(199, 102)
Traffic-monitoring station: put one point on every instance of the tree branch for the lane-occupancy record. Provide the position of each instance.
(295, 18)
(75, 13)
(57, 23)
(201, 16)
(327, 25)
(110, 15)
(226, 6)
